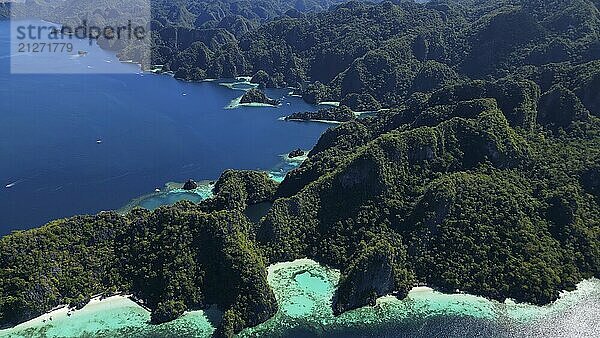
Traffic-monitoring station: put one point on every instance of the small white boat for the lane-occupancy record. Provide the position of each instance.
(184, 94)
(156, 190)
(98, 141)
(8, 186)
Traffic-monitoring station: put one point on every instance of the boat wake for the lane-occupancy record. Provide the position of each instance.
(10, 185)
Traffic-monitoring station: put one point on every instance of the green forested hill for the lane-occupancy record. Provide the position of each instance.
(389, 51)
(483, 175)
(172, 260)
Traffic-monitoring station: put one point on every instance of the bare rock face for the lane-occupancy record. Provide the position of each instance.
(376, 270)
(365, 284)
(190, 185)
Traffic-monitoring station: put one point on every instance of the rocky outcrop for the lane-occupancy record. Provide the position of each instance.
(190, 185)
(238, 189)
(167, 311)
(257, 96)
(263, 80)
(376, 271)
(296, 153)
(363, 287)
(335, 114)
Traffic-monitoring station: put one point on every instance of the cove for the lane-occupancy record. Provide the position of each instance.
(152, 130)
(304, 290)
(172, 192)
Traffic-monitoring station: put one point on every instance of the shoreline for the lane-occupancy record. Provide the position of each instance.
(236, 103)
(203, 191)
(62, 312)
(518, 310)
(303, 289)
(284, 118)
(206, 186)
(305, 300)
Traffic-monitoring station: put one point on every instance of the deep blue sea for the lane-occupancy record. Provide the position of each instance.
(153, 129)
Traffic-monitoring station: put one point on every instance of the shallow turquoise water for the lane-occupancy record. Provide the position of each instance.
(313, 283)
(113, 317)
(304, 290)
(172, 193)
(286, 165)
(171, 198)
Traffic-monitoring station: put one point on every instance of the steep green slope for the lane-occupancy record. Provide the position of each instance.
(483, 176)
(178, 258)
(172, 260)
(482, 206)
(64, 262)
(390, 51)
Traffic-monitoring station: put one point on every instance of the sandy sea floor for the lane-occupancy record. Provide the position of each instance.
(304, 290)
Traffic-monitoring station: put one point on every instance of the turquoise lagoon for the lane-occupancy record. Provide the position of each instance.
(172, 192)
(304, 290)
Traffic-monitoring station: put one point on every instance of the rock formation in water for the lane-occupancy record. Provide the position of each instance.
(257, 96)
(190, 185)
(296, 153)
